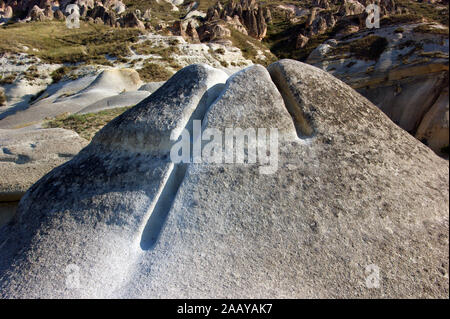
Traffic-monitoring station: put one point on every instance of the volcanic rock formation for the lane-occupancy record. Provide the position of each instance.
(351, 191)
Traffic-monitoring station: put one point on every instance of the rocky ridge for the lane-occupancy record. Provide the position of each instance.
(407, 78)
(351, 190)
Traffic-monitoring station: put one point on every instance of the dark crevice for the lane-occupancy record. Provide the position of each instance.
(166, 198)
(302, 125)
(163, 205)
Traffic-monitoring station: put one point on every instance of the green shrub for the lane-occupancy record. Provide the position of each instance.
(369, 47)
(86, 125)
(9, 79)
(220, 51)
(60, 73)
(152, 72)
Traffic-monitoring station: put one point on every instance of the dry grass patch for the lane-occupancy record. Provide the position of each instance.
(86, 125)
(58, 44)
(152, 72)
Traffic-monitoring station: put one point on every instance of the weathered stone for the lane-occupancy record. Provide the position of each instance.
(28, 154)
(321, 3)
(36, 14)
(132, 21)
(301, 41)
(147, 16)
(151, 86)
(178, 30)
(191, 32)
(2, 97)
(104, 195)
(352, 192)
(252, 16)
(434, 127)
(213, 31)
(59, 15)
(48, 12)
(404, 81)
(98, 20)
(8, 12)
(110, 82)
(351, 7)
(7, 212)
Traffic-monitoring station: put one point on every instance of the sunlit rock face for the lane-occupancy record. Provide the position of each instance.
(403, 69)
(350, 195)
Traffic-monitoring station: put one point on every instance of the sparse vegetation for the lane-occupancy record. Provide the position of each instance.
(86, 125)
(160, 10)
(8, 79)
(426, 28)
(55, 43)
(220, 51)
(31, 73)
(281, 42)
(429, 11)
(369, 47)
(148, 48)
(152, 72)
(60, 73)
(400, 19)
(250, 47)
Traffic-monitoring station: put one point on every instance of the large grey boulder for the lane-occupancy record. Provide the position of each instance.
(94, 207)
(352, 196)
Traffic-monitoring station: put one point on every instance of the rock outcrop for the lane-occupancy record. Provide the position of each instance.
(28, 154)
(108, 16)
(107, 12)
(59, 15)
(403, 69)
(192, 34)
(351, 192)
(131, 21)
(434, 126)
(37, 14)
(248, 12)
(214, 31)
(107, 84)
(348, 16)
(141, 137)
(8, 12)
